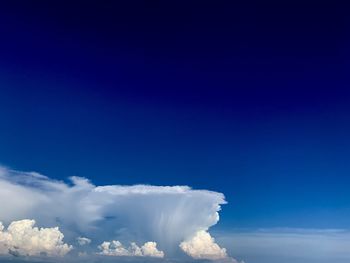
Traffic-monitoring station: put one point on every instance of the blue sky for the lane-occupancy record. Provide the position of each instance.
(248, 100)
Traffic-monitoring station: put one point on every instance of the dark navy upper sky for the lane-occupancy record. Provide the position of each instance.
(249, 100)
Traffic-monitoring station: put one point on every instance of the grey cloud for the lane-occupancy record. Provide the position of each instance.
(288, 245)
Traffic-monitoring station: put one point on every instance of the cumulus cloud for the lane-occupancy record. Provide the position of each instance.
(167, 215)
(149, 249)
(21, 238)
(202, 246)
(82, 241)
(116, 248)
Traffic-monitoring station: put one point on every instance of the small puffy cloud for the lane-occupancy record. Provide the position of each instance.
(82, 241)
(116, 248)
(21, 238)
(202, 246)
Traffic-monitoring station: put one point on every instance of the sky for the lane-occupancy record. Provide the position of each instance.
(242, 106)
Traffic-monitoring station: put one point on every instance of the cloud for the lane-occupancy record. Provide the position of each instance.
(82, 241)
(203, 246)
(149, 249)
(288, 245)
(167, 215)
(115, 248)
(21, 238)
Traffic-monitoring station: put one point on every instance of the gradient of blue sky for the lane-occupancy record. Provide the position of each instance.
(251, 101)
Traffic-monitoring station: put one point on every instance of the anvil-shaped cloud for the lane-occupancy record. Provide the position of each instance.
(166, 216)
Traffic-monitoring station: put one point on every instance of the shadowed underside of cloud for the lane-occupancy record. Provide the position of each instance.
(161, 216)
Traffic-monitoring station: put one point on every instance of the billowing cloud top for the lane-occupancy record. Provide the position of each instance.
(156, 216)
(203, 246)
(21, 238)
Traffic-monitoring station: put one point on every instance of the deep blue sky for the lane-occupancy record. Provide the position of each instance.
(249, 100)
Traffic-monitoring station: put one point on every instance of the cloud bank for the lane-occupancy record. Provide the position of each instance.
(288, 245)
(167, 215)
(21, 238)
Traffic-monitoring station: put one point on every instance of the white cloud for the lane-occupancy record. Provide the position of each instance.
(115, 248)
(167, 215)
(22, 238)
(82, 241)
(202, 246)
(149, 249)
